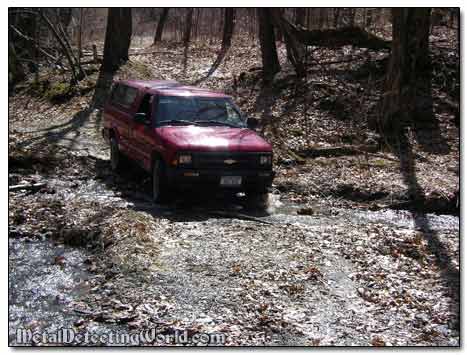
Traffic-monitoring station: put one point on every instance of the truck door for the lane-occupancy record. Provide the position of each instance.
(120, 112)
(142, 133)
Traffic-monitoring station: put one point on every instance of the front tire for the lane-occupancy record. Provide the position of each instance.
(115, 155)
(159, 185)
(257, 198)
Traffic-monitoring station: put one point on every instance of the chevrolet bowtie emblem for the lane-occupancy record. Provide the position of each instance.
(230, 161)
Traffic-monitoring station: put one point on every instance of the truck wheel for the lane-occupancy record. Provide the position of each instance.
(115, 156)
(159, 185)
(257, 198)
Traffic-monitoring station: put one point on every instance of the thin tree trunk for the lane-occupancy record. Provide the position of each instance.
(196, 25)
(352, 17)
(36, 45)
(160, 25)
(117, 38)
(300, 16)
(64, 17)
(295, 50)
(267, 42)
(80, 31)
(320, 18)
(36, 51)
(187, 37)
(279, 34)
(336, 17)
(229, 24)
(15, 69)
(62, 44)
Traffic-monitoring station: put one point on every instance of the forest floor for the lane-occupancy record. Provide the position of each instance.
(342, 255)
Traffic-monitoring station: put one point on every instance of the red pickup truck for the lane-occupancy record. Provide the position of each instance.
(186, 137)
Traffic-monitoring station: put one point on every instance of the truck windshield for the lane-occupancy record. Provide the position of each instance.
(202, 111)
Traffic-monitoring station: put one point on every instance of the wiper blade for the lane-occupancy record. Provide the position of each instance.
(183, 122)
(217, 123)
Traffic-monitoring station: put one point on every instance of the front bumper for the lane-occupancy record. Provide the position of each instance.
(190, 178)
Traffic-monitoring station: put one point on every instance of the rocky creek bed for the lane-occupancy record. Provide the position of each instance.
(90, 251)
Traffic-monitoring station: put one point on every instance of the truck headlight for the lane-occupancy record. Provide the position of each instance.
(265, 160)
(184, 159)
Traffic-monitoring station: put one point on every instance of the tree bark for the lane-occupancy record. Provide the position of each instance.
(161, 24)
(336, 17)
(80, 32)
(15, 69)
(408, 81)
(295, 50)
(117, 38)
(65, 15)
(300, 16)
(80, 73)
(187, 37)
(267, 42)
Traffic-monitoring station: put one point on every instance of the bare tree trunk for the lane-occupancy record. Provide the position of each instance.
(61, 31)
(295, 50)
(117, 38)
(15, 69)
(267, 41)
(64, 16)
(95, 58)
(409, 66)
(160, 25)
(279, 34)
(187, 37)
(300, 16)
(320, 18)
(65, 47)
(352, 13)
(229, 24)
(80, 31)
(36, 51)
(196, 24)
(368, 18)
(336, 16)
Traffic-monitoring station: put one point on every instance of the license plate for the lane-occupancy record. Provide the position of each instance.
(231, 180)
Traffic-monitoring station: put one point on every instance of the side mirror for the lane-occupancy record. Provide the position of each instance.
(141, 117)
(252, 123)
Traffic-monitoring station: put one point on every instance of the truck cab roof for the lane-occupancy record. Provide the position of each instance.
(171, 88)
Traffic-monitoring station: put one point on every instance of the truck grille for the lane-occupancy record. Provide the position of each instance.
(228, 161)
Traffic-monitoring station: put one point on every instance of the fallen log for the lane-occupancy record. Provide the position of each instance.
(27, 186)
(333, 38)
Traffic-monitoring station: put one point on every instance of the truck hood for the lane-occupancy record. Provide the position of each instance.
(195, 138)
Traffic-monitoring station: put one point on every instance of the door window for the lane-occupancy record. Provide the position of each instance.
(145, 107)
(124, 95)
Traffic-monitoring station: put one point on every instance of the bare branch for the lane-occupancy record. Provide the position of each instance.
(27, 38)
